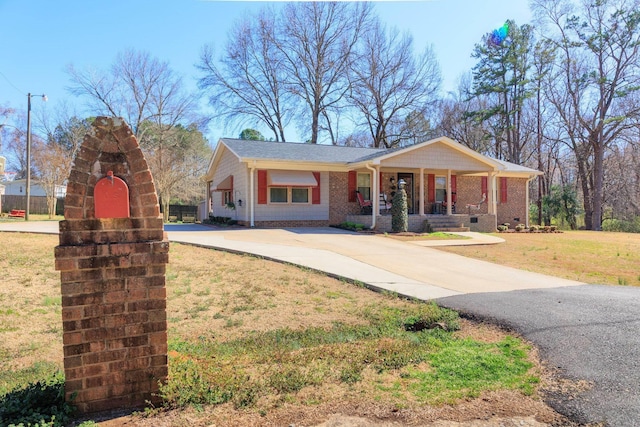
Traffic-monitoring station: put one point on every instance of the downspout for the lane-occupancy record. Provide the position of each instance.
(208, 207)
(526, 200)
(376, 196)
(252, 197)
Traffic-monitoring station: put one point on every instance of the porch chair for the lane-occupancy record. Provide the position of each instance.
(365, 205)
(470, 206)
(384, 202)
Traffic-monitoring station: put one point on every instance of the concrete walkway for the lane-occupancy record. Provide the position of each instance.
(412, 269)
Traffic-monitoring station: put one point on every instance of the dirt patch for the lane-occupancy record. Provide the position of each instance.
(493, 409)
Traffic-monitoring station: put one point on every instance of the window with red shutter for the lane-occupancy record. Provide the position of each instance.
(315, 191)
(262, 187)
(352, 185)
(431, 190)
(503, 189)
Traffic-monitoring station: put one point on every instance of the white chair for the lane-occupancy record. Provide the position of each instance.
(384, 203)
(477, 205)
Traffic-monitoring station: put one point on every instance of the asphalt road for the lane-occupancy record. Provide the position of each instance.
(588, 332)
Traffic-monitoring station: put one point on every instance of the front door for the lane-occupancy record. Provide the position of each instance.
(441, 189)
(408, 178)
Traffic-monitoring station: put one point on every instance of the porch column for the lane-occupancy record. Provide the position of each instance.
(375, 202)
(448, 191)
(376, 191)
(421, 198)
(491, 199)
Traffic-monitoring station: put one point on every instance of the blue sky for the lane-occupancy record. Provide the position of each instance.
(39, 38)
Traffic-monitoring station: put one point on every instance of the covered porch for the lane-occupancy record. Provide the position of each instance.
(442, 178)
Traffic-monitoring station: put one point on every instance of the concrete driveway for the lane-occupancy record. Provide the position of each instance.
(588, 332)
(412, 269)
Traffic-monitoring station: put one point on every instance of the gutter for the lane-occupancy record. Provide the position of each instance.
(527, 202)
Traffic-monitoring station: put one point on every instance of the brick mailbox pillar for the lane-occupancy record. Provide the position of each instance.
(112, 271)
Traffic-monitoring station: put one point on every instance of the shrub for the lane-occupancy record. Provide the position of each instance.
(533, 228)
(622, 225)
(502, 228)
(41, 404)
(520, 227)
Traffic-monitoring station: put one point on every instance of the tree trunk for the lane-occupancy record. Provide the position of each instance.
(598, 185)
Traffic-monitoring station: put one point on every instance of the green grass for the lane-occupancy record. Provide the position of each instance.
(465, 368)
(398, 341)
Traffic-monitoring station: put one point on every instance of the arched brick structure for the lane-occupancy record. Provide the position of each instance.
(112, 273)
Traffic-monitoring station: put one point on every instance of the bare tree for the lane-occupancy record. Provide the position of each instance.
(598, 61)
(388, 83)
(456, 118)
(250, 84)
(150, 96)
(138, 88)
(317, 40)
(178, 158)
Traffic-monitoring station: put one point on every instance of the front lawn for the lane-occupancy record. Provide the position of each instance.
(253, 342)
(594, 257)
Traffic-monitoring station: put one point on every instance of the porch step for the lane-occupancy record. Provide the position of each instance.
(444, 223)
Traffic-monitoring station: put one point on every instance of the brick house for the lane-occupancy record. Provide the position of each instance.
(276, 184)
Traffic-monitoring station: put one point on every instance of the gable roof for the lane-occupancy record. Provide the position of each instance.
(294, 151)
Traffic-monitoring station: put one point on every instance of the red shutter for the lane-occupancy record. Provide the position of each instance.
(483, 186)
(315, 191)
(380, 181)
(503, 189)
(352, 185)
(222, 199)
(431, 190)
(262, 187)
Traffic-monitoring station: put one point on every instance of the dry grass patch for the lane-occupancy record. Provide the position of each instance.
(30, 302)
(586, 256)
(288, 344)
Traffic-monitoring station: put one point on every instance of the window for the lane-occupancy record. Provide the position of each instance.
(278, 194)
(299, 195)
(227, 197)
(289, 195)
(364, 185)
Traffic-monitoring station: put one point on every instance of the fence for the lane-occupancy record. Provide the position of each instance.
(37, 204)
(183, 210)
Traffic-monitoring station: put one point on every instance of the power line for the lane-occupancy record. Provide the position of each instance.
(11, 84)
